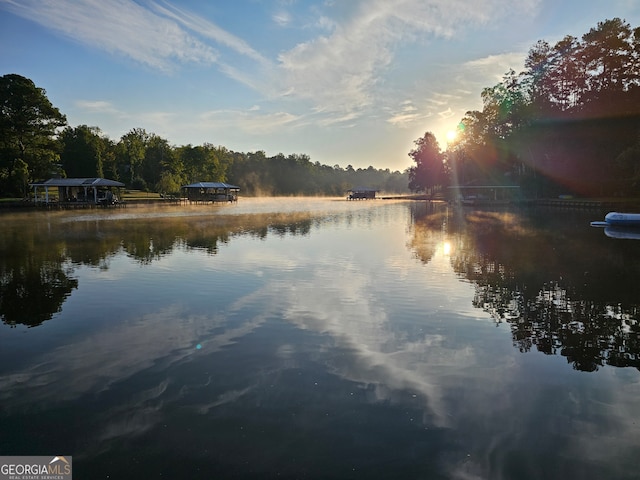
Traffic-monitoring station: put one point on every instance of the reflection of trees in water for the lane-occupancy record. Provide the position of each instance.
(37, 259)
(588, 334)
(561, 293)
(35, 280)
(31, 297)
(295, 228)
(429, 223)
(571, 297)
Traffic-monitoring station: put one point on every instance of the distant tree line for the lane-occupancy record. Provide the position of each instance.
(568, 123)
(36, 143)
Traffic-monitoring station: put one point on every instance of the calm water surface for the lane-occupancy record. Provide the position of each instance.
(317, 338)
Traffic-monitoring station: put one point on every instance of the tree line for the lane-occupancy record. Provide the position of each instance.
(568, 123)
(36, 143)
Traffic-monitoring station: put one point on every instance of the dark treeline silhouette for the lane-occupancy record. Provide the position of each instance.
(568, 123)
(36, 143)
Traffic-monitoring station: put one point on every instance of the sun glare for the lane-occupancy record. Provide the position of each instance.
(451, 135)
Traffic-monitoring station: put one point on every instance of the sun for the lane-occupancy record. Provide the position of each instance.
(451, 135)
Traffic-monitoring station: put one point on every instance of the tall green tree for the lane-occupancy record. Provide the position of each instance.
(109, 159)
(130, 154)
(204, 163)
(569, 76)
(84, 150)
(28, 128)
(157, 153)
(607, 53)
(537, 66)
(504, 106)
(429, 171)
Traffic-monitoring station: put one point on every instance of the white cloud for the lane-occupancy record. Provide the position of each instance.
(337, 73)
(325, 23)
(407, 115)
(282, 18)
(340, 72)
(448, 113)
(156, 118)
(119, 27)
(490, 70)
(248, 121)
(97, 106)
(209, 30)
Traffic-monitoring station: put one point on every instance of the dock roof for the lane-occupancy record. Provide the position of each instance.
(78, 182)
(211, 185)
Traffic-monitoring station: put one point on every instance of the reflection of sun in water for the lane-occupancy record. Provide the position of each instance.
(441, 260)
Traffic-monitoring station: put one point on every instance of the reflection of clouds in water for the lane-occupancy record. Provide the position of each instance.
(128, 422)
(227, 397)
(575, 423)
(465, 387)
(345, 307)
(136, 416)
(285, 354)
(96, 361)
(376, 359)
(620, 404)
(338, 297)
(591, 427)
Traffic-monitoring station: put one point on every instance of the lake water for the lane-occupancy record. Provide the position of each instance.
(320, 338)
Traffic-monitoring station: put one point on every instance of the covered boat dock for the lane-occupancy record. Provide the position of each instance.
(210, 192)
(77, 192)
(362, 193)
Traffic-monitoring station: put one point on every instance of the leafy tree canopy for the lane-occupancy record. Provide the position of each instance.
(429, 170)
(28, 127)
(560, 125)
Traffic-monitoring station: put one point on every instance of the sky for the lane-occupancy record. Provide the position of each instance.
(346, 82)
